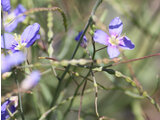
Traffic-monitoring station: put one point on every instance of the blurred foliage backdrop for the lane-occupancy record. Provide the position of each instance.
(141, 24)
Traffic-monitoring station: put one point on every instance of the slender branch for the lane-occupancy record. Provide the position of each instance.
(133, 60)
(141, 91)
(44, 9)
(101, 48)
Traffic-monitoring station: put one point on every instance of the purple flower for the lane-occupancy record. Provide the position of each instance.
(7, 62)
(114, 41)
(10, 26)
(6, 5)
(11, 104)
(18, 42)
(31, 81)
(84, 41)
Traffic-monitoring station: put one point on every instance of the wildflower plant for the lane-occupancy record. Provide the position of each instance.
(56, 79)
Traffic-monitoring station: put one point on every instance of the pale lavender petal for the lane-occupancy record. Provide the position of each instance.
(29, 34)
(101, 37)
(115, 27)
(11, 26)
(127, 44)
(9, 41)
(7, 62)
(16, 58)
(20, 9)
(4, 65)
(31, 80)
(113, 51)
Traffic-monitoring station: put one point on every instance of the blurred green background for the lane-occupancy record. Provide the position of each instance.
(141, 24)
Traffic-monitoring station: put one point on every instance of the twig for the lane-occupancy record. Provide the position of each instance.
(101, 48)
(133, 60)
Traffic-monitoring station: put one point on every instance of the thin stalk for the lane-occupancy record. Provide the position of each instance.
(19, 98)
(3, 33)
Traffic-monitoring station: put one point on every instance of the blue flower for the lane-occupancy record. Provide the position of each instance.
(9, 104)
(84, 41)
(19, 42)
(31, 81)
(10, 26)
(7, 62)
(6, 5)
(114, 41)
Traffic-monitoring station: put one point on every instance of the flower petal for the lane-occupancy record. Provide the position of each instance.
(4, 65)
(9, 27)
(115, 27)
(33, 41)
(31, 80)
(7, 62)
(101, 37)
(79, 35)
(16, 58)
(30, 34)
(84, 41)
(113, 51)
(9, 41)
(10, 105)
(4, 112)
(6, 5)
(127, 44)
(20, 9)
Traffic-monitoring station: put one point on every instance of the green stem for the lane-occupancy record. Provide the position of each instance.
(19, 98)
(3, 33)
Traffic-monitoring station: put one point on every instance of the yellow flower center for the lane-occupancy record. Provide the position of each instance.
(113, 40)
(20, 45)
(9, 18)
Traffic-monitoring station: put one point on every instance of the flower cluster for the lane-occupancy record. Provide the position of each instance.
(115, 41)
